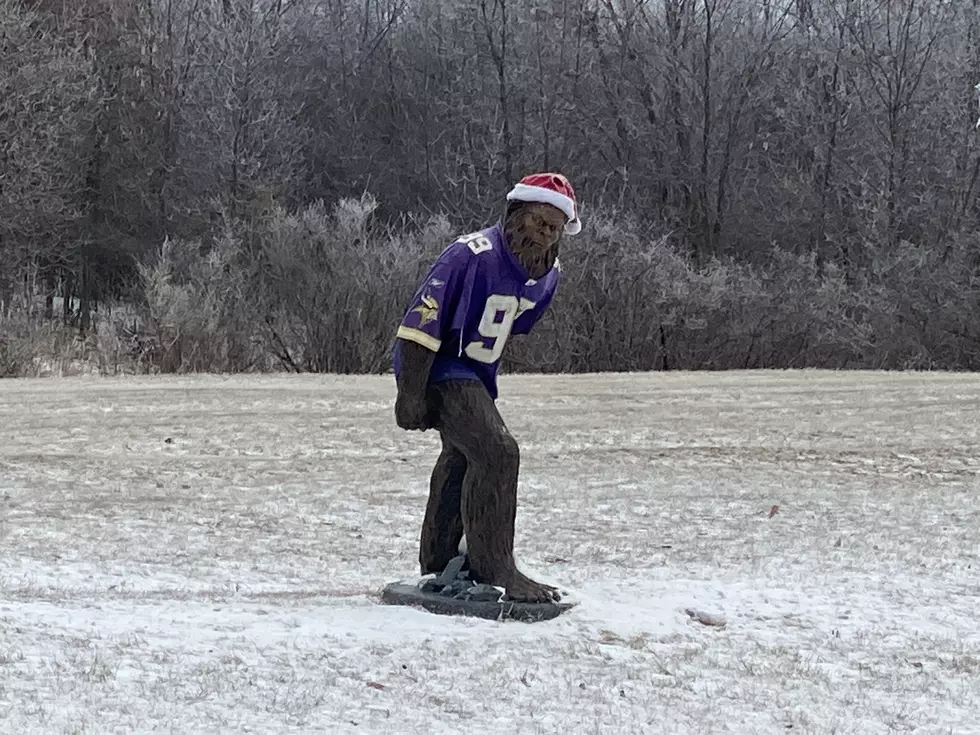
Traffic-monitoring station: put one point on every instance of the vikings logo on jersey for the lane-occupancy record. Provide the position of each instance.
(428, 310)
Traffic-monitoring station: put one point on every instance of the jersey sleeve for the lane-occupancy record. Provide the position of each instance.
(436, 305)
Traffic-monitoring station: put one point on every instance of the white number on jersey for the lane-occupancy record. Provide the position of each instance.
(496, 330)
(477, 243)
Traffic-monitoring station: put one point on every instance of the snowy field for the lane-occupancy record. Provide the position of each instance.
(206, 554)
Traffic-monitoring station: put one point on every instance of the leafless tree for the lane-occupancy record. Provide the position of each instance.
(807, 171)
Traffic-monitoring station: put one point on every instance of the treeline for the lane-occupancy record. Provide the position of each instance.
(190, 184)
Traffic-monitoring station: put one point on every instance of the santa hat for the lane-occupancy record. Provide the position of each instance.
(549, 188)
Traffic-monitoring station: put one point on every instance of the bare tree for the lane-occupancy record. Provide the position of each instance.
(46, 103)
(897, 42)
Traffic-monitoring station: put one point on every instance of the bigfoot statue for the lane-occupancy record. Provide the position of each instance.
(483, 288)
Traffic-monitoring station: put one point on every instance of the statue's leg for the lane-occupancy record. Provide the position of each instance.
(469, 421)
(442, 527)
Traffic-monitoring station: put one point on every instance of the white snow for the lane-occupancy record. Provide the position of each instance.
(227, 580)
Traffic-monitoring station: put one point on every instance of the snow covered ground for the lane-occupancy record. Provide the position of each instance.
(205, 554)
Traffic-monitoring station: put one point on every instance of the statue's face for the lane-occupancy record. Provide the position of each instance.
(534, 231)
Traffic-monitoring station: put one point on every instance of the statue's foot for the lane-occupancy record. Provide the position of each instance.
(522, 589)
(517, 587)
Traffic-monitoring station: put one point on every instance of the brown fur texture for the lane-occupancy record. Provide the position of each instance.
(473, 487)
(534, 233)
(473, 490)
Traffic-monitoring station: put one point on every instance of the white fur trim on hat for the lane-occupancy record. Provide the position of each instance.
(541, 195)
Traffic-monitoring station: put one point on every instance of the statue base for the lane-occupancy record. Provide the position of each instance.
(453, 593)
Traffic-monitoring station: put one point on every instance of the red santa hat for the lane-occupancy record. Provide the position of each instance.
(553, 189)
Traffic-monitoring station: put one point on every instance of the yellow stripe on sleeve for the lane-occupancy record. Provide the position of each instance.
(419, 337)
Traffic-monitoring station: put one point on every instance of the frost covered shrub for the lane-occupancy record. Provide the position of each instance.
(21, 346)
(198, 314)
(922, 305)
(13, 361)
(334, 286)
(322, 289)
(30, 347)
(786, 314)
(630, 301)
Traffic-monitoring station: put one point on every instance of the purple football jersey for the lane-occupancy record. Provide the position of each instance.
(474, 297)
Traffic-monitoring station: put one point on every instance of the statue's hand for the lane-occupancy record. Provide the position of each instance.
(412, 412)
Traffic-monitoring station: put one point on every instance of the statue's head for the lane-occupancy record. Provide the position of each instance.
(540, 209)
(534, 234)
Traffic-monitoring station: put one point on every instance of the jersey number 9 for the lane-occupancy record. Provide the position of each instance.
(498, 331)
